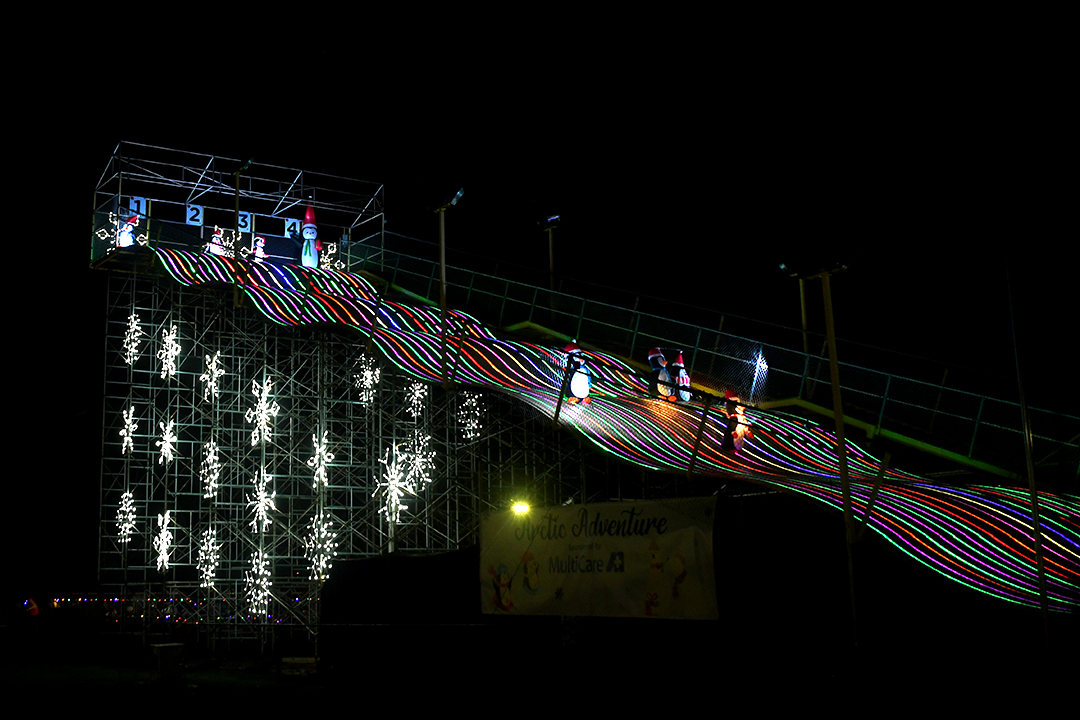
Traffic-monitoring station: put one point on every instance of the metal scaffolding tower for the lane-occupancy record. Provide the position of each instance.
(222, 454)
(241, 458)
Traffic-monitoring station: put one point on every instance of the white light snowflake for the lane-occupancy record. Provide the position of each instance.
(210, 377)
(163, 541)
(469, 415)
(418, 460)
(319, 547)
(257, 582)
(392, 487)
(367, 379)
(320, 460)
(416, 394)
(168, 353)
(128, 431)
(262, 412)
(125, 518)
(210, 469)
(167, 443)
(261, 503)
(209, 555)
(131, 339)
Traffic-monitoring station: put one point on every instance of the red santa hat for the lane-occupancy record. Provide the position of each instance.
(655, 352)
(572, 348)
(678, 360)
(309, 217)
(729, 394)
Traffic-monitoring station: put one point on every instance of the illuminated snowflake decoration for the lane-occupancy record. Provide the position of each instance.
(125, 518)
(262, 412)
(167, 443)
(327, 257)
(210, 377)
(128, 431)
(170, 349)
(209, 556)
(257, 582)
(418, 460)
(416, 394)
(131, 339)
(121, 233)
(260, 503)
(163, 541)
(469, 415)
(320, 460)
(210, 469)
(320, 547)
(367, 379)
(392, 487)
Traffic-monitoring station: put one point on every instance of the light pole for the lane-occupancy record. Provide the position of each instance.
(442, 279)
(805, 272)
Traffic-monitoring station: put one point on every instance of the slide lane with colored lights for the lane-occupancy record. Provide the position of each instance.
(979, 536)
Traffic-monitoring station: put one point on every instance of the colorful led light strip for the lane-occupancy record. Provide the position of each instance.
(978, 536)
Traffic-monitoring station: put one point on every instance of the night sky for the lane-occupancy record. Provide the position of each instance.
(680, 173)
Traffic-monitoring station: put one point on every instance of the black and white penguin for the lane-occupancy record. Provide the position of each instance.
(580, 382)
(681, 379)
(659, 375)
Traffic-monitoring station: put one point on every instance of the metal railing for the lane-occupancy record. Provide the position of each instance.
(975, 426)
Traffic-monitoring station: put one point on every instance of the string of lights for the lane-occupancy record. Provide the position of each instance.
(979, 536)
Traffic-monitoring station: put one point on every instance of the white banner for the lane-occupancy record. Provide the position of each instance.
(628, 559)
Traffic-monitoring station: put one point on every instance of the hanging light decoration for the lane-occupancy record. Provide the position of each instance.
(168, 353)
(416, 394)
(393, 486)
(210, 469)
(210, 377)
(166, 443)
(469, 415)
(131, 339)
(419, 461)
(320, 460)
(125, 518)
(209, 555)
(261, 503)
(367, 379)
(258, 584)
(320, 547)
(262, 412)
(163, 541)
(128, 431)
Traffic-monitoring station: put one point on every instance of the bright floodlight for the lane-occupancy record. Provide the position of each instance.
(521, 508)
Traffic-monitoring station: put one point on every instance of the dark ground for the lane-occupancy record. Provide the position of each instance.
(783, 635)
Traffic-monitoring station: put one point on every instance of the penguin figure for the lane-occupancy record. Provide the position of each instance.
(125, 237)
(738, 429)
(216, 245)
(681, 378)
(580, 383)
(309, 256)
(659, 375)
